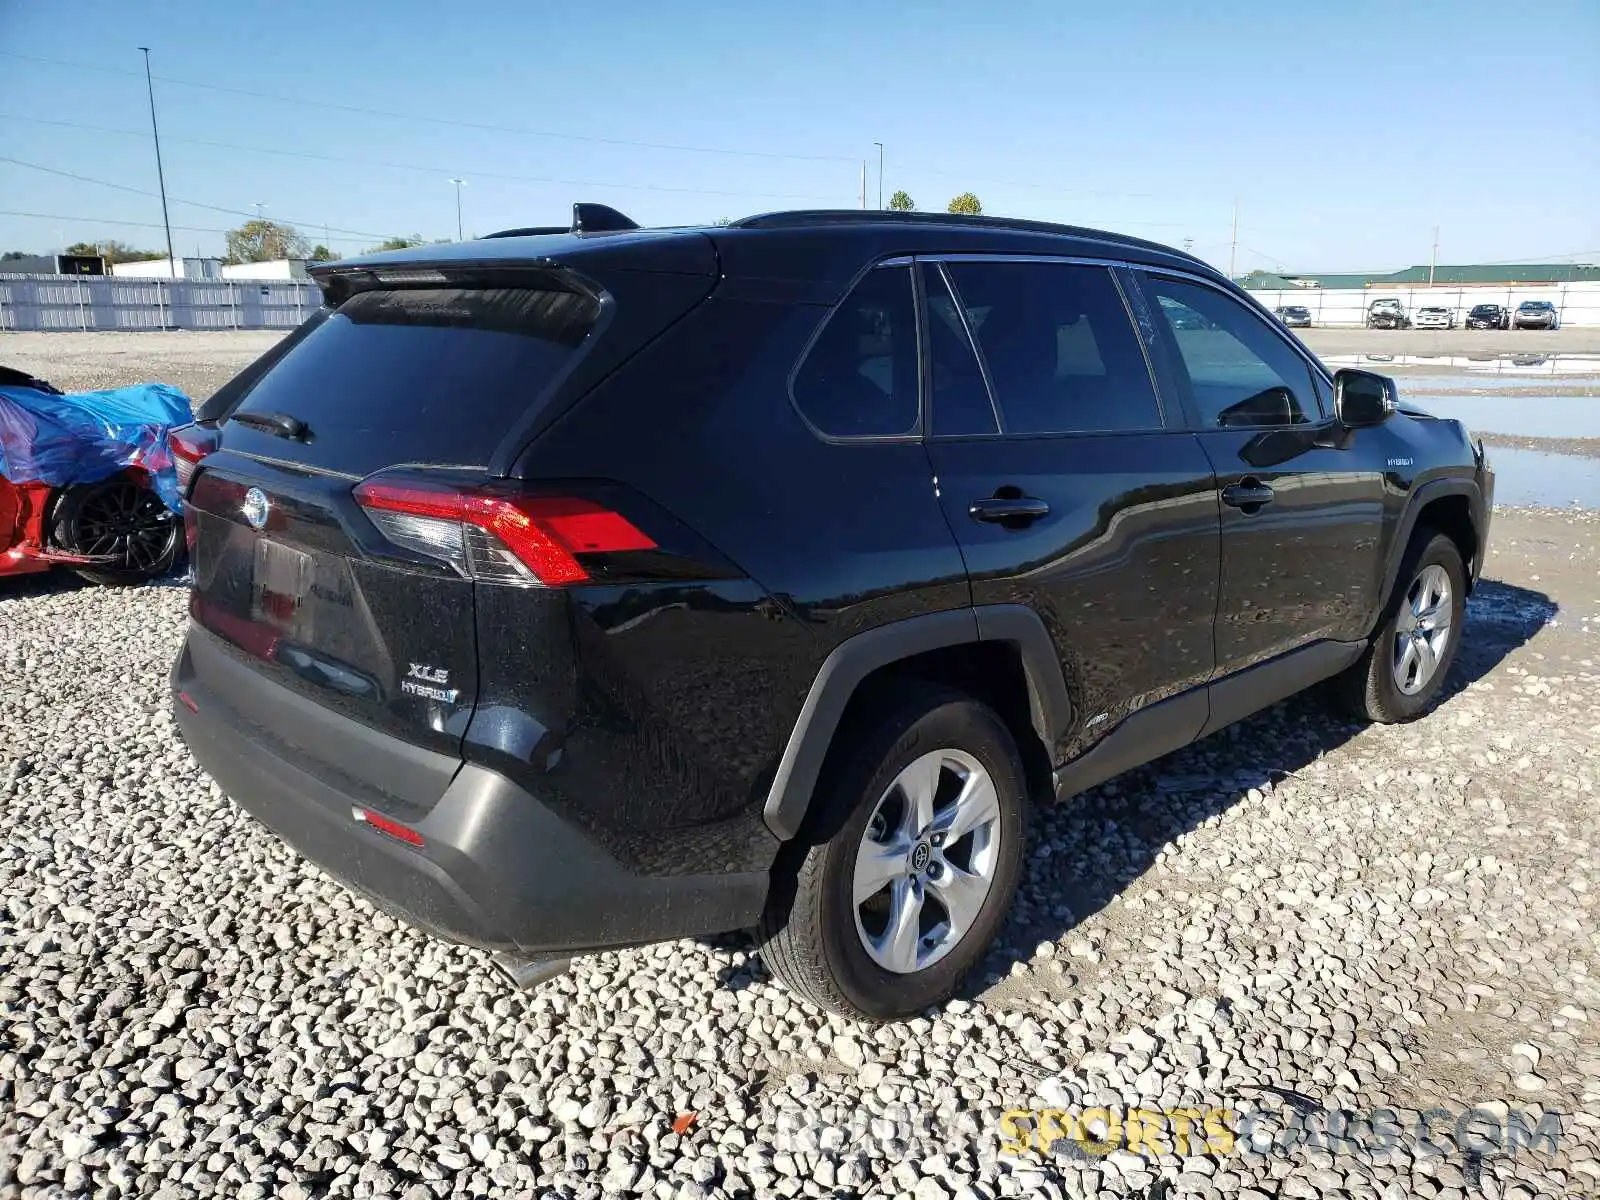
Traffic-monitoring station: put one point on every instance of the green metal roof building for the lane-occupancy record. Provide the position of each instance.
(1500, 274)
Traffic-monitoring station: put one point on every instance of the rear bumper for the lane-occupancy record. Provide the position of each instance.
(496, 868)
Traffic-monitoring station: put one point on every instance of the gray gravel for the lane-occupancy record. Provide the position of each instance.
(1296, 912)
(1399, 917)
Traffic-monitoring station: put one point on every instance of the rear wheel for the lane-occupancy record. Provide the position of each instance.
(1406, 664)
(908, 865)
(123, 521)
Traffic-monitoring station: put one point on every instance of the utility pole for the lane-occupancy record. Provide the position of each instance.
(1233, 245)
(863, 183)
(161, 177)
(1434, 257)
(879, 145)
(460, 183)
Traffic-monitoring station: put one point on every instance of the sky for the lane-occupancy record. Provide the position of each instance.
(1343, 132)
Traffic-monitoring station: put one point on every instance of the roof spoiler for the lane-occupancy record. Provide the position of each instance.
(586, 218)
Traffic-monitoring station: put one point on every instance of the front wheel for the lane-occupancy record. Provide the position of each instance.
(1405, 665)
(123, 522)
(908, 864)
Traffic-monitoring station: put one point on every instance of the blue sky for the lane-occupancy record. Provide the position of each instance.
(1346, 131)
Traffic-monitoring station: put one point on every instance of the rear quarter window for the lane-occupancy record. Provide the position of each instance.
(858, 378)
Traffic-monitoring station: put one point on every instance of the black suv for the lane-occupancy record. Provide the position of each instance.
(1489, 316)
(576, 589)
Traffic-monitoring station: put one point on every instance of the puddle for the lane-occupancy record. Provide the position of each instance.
(1531, 477)
(1485, 366)
(1530, 416)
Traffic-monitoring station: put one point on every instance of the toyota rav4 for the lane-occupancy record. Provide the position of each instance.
(573, 589)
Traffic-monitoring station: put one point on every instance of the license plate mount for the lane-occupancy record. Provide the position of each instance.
(280, 581)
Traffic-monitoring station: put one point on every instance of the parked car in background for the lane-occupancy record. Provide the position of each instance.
(1387, 314)
(82, 480)
(465, 634)
(1489, 316)
(1295, 316)
(1434, 317)
(1535, 314)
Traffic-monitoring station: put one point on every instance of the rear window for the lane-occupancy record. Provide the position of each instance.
(427, 375)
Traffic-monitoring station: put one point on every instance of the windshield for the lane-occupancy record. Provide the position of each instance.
(1533, 305)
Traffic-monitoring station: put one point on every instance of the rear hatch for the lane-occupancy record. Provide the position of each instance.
(356, 500)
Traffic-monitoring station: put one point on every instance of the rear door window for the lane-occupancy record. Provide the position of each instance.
(960, 396)
(434, 375)
(859, 377)
(1062, 353)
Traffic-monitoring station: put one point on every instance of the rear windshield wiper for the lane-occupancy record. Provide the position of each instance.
(279, 424)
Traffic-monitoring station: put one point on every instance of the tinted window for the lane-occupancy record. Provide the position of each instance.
(961, 402)
(1061, 351)
(434, 375)
(859, 379)
(1239, 371)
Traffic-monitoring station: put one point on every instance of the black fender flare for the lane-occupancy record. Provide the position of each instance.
(1434, 489)
(1050, 711)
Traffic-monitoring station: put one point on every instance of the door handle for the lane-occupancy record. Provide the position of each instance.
(1008, 510)
(1249, 494)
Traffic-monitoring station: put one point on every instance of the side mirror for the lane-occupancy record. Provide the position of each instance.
(1362, 398)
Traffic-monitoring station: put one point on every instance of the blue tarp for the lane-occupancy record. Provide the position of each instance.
(84, 437)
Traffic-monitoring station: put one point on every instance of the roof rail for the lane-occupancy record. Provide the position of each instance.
(872, 216)
(586, 218)
(527, 231)
(802, 218)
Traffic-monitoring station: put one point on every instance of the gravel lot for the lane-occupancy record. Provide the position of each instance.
(1299, 913)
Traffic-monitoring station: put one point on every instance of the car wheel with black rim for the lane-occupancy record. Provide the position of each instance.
(124, 525)
(909, 861)
(1408, 658)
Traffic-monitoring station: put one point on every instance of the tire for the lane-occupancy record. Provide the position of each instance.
(1372, 688)
(125, 519)
(815, 935)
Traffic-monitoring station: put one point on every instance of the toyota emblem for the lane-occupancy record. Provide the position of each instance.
(255, 508)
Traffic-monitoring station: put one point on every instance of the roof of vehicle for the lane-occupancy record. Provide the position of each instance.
(808, 255)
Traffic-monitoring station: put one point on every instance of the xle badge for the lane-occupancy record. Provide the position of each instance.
(428, 682)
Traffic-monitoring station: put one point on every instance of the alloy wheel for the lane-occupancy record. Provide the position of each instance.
(126, 525)
(927, 861)
(1422, 629)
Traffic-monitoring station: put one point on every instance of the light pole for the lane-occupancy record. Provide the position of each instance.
(879, 145)
(258, 206)
(460, 183)
(161, 176)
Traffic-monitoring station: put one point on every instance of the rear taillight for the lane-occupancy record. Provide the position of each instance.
(188, 444)
(492, 537)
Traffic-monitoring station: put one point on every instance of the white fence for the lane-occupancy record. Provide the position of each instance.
(1576, 303)
(105, 302)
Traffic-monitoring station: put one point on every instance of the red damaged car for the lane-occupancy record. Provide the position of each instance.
(84, 480)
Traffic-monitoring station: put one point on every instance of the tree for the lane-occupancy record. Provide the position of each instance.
(967, 203)
(902, 202)
(320, 253)
(11, 254)
(263, 241)
(115, 252)
(398, 243)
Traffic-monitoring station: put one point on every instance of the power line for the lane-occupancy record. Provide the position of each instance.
(115, 221)
(450, 121)
(122, 187)
(428, 168)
